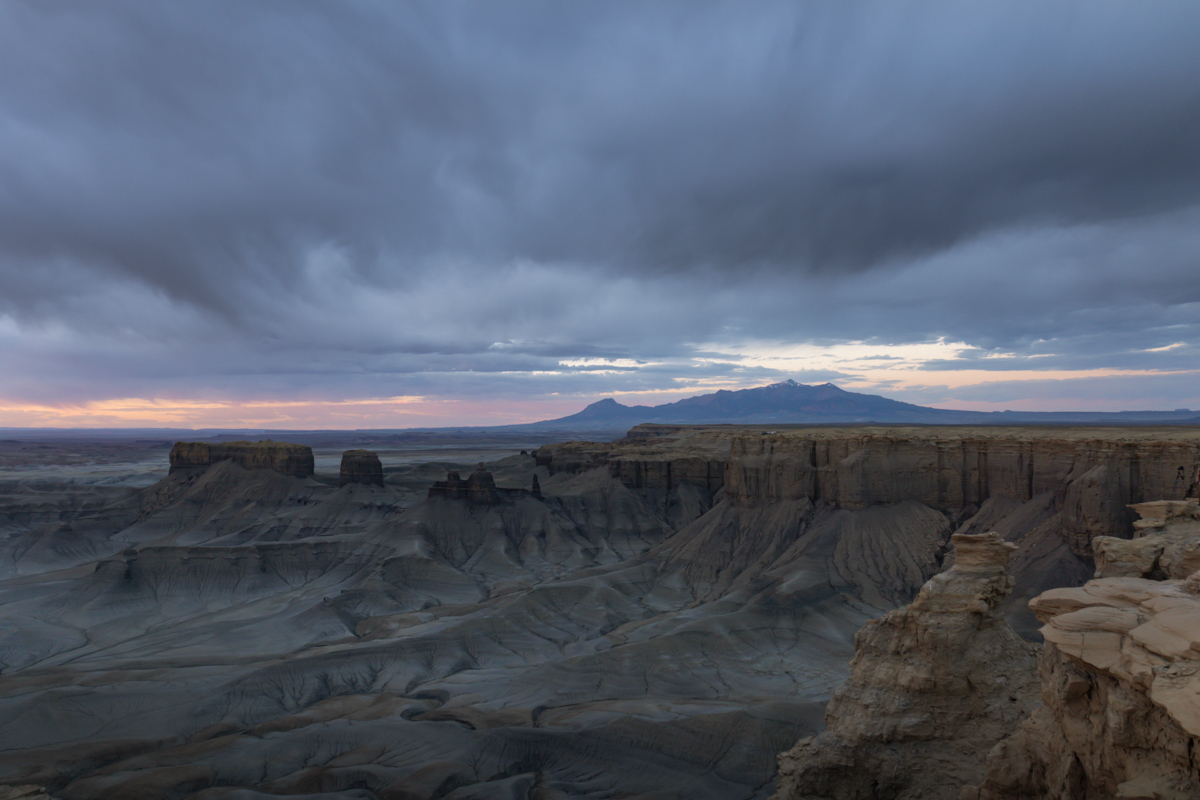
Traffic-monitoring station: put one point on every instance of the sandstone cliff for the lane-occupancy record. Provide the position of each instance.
(678, 454)
(933, 686)
(1051, 491)
(1166, 543)
(288, 459)
(1120, 677)
(361, 466)
(1090, 474)
(246, 634)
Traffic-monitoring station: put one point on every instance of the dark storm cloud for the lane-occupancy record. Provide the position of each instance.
(288, 196)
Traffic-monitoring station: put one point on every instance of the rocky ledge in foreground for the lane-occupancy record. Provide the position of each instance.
(361, 466)
(933, 687)
(1120, 676)
(289, 459)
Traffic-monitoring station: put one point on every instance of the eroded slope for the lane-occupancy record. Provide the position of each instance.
(647, 627)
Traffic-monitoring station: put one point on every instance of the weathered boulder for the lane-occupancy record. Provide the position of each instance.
(361, 466)
(289, 459)
(933, 687)
(1120, 676)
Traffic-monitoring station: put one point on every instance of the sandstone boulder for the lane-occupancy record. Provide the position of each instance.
(361, 466)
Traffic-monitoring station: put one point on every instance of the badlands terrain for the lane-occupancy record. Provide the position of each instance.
(657, 617)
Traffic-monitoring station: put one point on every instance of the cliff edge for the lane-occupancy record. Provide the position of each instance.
(933, 687)
(1120, 676)
(1088, 476)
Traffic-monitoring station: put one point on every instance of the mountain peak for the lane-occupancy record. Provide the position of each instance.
(794, 403)
(785, 401)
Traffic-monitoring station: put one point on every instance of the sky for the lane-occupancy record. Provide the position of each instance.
(375, 214)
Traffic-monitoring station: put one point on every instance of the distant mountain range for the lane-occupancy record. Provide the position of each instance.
(778, 404)
(791, 402)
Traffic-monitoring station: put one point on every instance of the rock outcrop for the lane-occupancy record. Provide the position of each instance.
(288, 459)
(26, 792)
(1092, 474)
(243, 633)
(1120, 677)
(361, 466)
(1166, 543)
(478, 489)
(933, 687)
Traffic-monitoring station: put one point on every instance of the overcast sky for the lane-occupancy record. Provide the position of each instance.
(362, 214)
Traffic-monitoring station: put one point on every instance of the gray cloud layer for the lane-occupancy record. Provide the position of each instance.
(377, 198)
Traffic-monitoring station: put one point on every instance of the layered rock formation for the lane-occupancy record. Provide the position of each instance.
(479, 488)
(651, 457)
(264, 636)
(287, 459)
(932, 687)
(1166, 543)
(227, 633)
(1092, 474)
(361, 466)
(1120, 677)
(1049, 490)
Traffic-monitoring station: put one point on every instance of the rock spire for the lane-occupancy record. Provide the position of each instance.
(933, 686)
(1120, 714)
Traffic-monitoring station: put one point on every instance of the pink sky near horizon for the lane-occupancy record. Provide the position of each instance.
(422, 412)
(407, 412)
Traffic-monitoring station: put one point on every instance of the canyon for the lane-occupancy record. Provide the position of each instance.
(658, 616)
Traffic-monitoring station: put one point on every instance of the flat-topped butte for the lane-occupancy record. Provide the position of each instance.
(282, 457)
(361, 466)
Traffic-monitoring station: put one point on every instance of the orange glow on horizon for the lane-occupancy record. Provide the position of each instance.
(383, 412)
(414, 411)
